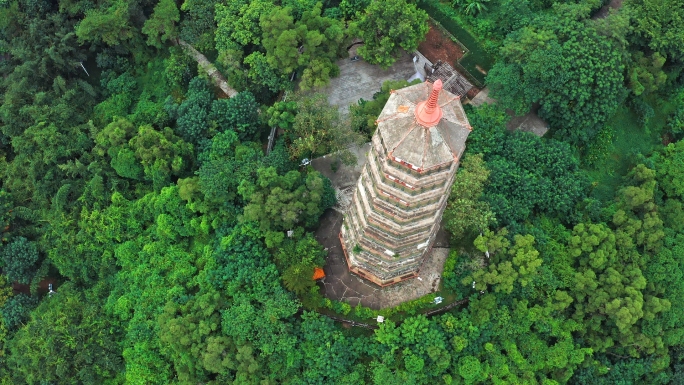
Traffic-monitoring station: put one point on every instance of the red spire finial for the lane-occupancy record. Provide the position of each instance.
(428, 112)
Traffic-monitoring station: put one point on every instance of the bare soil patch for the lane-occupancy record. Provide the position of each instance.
(43, 286)
(437, 46)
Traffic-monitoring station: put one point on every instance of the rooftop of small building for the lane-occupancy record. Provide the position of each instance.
(407, 140)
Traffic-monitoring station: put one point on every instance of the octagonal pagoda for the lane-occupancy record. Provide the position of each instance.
(397, 206)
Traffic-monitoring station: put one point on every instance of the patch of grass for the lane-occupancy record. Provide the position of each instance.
(630, 139)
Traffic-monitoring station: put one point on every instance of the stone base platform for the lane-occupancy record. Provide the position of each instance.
(342, 285)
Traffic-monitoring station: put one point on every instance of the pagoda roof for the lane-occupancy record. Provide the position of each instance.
(421, 147)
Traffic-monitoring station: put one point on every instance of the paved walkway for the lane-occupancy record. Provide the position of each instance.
(345, 176)
(482, 97)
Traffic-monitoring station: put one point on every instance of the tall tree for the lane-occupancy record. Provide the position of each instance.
(161, 26)
(465, 212)
(238, 24)
(670, 169)
(224, 164)
(387, 28)
(109, 25)
(283, 202)
(67, 341)
(563, 64)
(192, 113)
(310, 44)
(659, 25)
(239, 113)
(19, 258)
(525, 179)
(318, 130)
(197, 25)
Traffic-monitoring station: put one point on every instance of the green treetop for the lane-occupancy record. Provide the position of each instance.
(387, 28)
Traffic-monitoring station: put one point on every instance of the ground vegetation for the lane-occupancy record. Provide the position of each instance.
(180, 252)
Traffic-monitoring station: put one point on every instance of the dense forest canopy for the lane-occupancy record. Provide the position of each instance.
(135, 186)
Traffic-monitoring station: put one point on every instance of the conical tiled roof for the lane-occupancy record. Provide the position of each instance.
(416, 140)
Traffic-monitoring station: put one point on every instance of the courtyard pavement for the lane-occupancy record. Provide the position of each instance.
(482, 97)
(358, 79)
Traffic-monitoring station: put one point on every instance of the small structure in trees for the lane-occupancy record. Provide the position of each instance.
(318, 274)
(454, 82)
(401, 194)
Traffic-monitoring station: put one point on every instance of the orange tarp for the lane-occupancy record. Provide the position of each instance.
(318, 273)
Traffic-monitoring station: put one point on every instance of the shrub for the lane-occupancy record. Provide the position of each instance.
(299, 278)
(449, 278)
(20, 257)
(17, 309)
(239, 113)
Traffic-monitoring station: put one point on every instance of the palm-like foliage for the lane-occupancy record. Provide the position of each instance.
(475, 7)
(471, 7)
(299, 278)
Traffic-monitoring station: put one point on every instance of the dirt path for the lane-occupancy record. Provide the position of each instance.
(211, 70)
(42, 286)
(439, 47)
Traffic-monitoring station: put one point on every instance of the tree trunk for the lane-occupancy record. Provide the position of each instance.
(210, 69)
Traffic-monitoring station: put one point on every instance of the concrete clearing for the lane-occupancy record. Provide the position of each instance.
(358, 79)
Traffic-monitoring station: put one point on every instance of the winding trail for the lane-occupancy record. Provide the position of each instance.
(216, 76)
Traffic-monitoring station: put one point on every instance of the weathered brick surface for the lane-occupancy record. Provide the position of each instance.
(391, 223)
